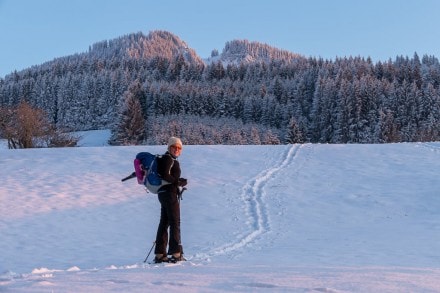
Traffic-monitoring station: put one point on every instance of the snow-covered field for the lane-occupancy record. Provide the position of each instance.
(294, 218)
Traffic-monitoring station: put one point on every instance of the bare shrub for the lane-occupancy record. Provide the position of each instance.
(27, 127)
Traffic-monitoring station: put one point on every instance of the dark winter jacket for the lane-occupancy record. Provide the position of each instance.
(168, 168)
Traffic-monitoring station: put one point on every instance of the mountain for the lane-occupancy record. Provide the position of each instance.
(238, 51)
(164, 44)
(271, 91)
(136, 46)
(139, 46)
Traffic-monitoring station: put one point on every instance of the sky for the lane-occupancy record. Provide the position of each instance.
(35, 31)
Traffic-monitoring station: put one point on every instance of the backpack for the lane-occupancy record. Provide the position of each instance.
(145, 167)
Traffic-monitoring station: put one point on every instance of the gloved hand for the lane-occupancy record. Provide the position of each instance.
(182, 182)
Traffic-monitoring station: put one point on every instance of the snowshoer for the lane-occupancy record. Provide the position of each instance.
(168, 168)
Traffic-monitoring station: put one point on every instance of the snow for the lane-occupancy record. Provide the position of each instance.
(290, 218)
(93, 137)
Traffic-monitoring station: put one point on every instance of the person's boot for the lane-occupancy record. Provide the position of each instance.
(160, 258)
(177, 256)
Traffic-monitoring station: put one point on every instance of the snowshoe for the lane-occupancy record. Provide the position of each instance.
(176, 258)
(161, 259)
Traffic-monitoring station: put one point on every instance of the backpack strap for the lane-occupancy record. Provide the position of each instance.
(173, 160)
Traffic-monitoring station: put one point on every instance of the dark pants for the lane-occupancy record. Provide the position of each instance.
(169, 217)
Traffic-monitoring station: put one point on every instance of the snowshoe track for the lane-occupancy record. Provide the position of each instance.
(253, 196)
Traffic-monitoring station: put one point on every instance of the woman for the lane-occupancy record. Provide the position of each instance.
(168, 168)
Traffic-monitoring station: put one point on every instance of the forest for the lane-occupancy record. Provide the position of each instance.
(147, 87)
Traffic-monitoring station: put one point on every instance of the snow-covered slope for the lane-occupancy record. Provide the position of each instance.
(296, 218)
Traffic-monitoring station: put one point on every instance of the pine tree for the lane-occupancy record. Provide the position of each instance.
(294, 134)
(130, 129)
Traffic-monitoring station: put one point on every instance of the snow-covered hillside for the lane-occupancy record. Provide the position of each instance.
(293, 218)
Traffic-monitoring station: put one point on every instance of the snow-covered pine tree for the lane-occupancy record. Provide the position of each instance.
(294, 134)
(130, 129)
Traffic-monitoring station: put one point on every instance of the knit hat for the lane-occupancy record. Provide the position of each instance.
(174, 141)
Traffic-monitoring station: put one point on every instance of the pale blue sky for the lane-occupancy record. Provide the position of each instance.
(36, 31)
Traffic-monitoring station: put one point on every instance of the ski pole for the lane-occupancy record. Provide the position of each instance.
(179, 196)
(154, 243)
(132, 175)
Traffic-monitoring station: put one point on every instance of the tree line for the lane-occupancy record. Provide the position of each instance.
(285, 99)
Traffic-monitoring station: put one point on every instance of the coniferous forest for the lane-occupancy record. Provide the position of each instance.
(147, 87)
